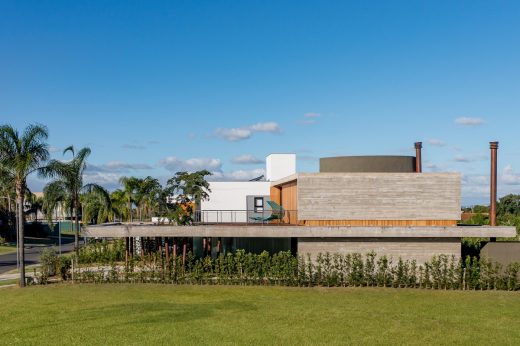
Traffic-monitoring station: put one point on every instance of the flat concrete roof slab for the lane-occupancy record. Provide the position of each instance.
(271, 231)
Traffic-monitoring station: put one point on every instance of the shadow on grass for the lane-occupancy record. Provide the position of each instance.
(137, 313)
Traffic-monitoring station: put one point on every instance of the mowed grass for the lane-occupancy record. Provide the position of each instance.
(162, 314)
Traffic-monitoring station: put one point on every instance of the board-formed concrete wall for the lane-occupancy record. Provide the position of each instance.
(379, 196)
(419, 249)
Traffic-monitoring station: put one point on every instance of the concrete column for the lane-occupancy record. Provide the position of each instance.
(493, 186)
(418, 157)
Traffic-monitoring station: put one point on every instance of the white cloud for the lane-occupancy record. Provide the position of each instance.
(461, 158)
(241, 133)
(436, 142)
(310, 118)
(54, 150)
(247, 159)
(116, 167)
(271, 127)
(174, 164)
(233, 135)
(468, 121)
(108, 180)
(509, 177)
(238, 175)
(472, 158)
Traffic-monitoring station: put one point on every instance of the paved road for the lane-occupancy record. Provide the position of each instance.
(32, 254)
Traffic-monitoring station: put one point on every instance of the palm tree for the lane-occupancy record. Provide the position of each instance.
(97, 205)
(35, 205)
(69, 182)
(21, 155)
(54, 198)
(7, 200)
(147, 192)
(130, 187)
(118, 201)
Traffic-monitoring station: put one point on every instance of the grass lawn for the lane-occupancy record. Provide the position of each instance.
(8, 282)
(7, 249)
(162, 314)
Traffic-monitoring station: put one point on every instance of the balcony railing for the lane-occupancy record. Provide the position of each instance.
(253, 217)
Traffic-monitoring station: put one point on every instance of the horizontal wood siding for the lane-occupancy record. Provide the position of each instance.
(380, 223)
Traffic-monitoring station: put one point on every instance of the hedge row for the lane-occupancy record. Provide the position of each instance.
(331, 270)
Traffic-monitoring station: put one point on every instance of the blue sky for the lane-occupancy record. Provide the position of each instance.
(157, 86)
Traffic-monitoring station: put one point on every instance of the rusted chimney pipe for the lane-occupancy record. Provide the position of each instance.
(493, 185)
(418, 160)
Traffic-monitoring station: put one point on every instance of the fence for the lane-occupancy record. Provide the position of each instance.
(246, 216)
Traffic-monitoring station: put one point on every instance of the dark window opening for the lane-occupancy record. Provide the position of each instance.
(259, 204)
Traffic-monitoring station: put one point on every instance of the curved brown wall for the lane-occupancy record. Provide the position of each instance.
(367, 164)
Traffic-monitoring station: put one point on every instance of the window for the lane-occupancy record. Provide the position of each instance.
(259, 204)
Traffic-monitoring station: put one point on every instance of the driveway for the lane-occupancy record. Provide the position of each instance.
(32, 253)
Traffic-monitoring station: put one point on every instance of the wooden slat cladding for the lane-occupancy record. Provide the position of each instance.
(275, 194)
(286, 195)
(380, 223)
(289, 201)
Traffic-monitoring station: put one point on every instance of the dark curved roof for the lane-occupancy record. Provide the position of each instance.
(367, 164)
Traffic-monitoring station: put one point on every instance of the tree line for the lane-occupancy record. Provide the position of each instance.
(25, 153)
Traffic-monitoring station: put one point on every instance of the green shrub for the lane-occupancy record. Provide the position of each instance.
(48, 264)
(284, 269)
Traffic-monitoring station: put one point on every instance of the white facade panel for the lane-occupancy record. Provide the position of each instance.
(228, 200)
(278, 166)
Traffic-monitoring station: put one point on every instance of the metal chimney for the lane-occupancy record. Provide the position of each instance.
(418, 160)
(493, 185)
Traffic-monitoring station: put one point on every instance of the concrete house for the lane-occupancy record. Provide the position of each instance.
(384, 204)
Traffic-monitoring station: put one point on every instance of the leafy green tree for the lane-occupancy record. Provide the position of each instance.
(509, 204)
(20, 155)
(187, 189)
(68, 182)
(480, 209)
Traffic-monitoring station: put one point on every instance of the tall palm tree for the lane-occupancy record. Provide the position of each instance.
(7, 200)
(130, 188)
(35, 205)
(97, 205)
(55, 198)
(21, 155)
(69, 182)
(119, 206)
(147, 191)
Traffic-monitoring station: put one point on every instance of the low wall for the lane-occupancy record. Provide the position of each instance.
(502, 252)
(420, 249)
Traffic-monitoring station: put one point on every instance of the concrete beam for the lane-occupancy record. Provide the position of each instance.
(271, 231)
